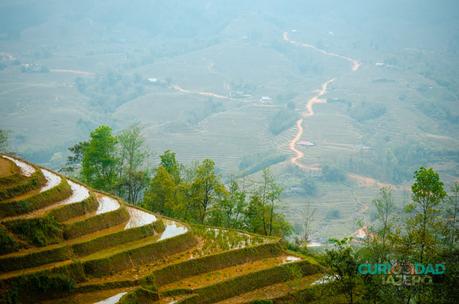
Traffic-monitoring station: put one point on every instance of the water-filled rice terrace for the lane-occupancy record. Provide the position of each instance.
(63, 242)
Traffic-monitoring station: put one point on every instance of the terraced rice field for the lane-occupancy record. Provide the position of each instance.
(63, 242)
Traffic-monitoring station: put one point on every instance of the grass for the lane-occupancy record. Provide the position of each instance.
(273, 291)
(224, 274)
(201, 259)
(242, 128)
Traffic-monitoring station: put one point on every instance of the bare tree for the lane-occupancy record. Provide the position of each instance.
(308, 217)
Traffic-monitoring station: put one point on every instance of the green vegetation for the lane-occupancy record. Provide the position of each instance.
(133, 177)
(39, 232)
(421, 234)
(22, 185)
(7, 242)
(367, 111)
(257, 162)
(3, 141)
(197, 194)
(112, 163)
(108, 91)
(98, 166)
(283, 120)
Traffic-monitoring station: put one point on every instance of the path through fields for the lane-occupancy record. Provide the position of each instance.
(316, 99)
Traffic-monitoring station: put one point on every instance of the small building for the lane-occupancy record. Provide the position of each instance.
(265, 99)
(306, 143)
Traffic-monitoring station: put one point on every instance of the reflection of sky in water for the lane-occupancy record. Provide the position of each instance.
(52, 180)
(172, 229)
(79, 193)
(106, 204)
(291, 258)
(112, 300)
(314, 244)
(139, 218)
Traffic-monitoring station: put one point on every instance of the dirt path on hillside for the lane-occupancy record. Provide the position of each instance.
(316, 99)
(355, 64)
(202, 93)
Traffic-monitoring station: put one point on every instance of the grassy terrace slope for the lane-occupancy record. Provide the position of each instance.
(62, 242)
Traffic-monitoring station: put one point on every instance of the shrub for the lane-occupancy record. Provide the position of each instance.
(333, 214)
(39, 231)
(332, 174)
(7, 242)
(54, 283)
(283, 120)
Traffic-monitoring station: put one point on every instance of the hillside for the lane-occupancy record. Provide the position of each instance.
(230, 82)
(62, 242)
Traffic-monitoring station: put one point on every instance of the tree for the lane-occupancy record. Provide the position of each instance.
(207, 188)
(3, 141)
(451, 216)
(133, 177)
(254, 215)
(332, 174)
(385, 209)
(308, 217)
(73, 164)
(425, 221)
(261, 215)
(99, 163)
(160, 195)
(270, 193)
(342, 263)
(169, 162)
(229, 211)
(424, 226)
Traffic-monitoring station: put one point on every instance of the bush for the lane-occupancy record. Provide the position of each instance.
(367, 111)
(309, 186)
(332, 174)
(54, 283)
(333, 214)
(7, 242)
(28, 289)
(38, 231)
(283, 120)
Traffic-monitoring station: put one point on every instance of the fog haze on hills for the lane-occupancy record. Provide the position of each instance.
(218, 79)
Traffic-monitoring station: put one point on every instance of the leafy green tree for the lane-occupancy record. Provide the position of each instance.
(384, 223)
(341, 262)
(254, 215)
(261, 214)
(425, 222)
(207, 189)
(169, 162)
(100, 163)
(380, 248)
(132, 176)
(451, 215)
(73, 164)
(160, 195)
(229, 211)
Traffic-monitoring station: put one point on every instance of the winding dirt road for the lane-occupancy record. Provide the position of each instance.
(355, 63)
(316, 99)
